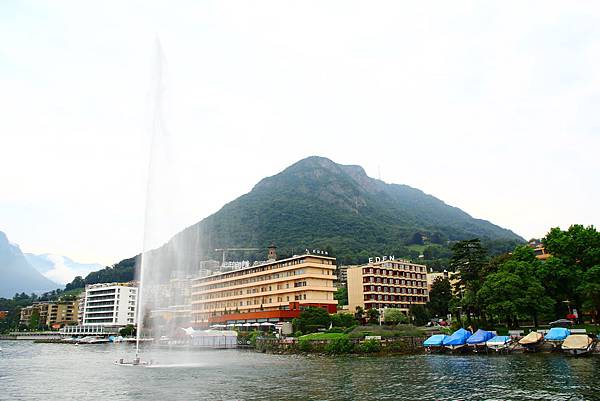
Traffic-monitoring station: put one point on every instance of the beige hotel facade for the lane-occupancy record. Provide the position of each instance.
(387, 283)
(274, 291)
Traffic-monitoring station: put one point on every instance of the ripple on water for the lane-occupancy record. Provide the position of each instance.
(51, 371)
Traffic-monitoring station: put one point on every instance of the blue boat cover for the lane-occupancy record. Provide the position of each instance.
(435, 340)
(499, 340)
(459, 337)
(480, 337)
(557, 334)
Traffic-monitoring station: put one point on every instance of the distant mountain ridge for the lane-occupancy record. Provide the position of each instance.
(16, 274)
(316, 203)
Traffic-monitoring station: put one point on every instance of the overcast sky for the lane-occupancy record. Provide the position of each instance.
(494, 109)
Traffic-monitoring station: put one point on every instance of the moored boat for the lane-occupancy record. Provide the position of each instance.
(499, 343)
(435, 342)
(578, 344)
(92, 340)
(478, 340)
(556, 336)
(457, 340)
(532, 341)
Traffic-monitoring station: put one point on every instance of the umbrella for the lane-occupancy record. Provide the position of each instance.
(239, 325)
(267, 324)
(231, 325)
(246, 325)
(255, 324)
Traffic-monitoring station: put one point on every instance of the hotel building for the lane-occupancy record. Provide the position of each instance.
(274, 291)
(387, 283)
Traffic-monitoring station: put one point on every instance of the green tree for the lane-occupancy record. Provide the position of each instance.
(373, 316)
(358, 315)
(469, 259)
(311, 319)
(433, 252)
(341, 295)
(440, 297)
(516, 289)
(343, 320)
(127, 331)
(574, 252)
(436, 238)
(590, 290)
(419, 314)
(34, 320)
(77, 282)
(394, 316)
(417, 239)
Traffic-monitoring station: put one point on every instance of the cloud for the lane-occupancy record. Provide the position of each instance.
(490, 107)
(60, 269)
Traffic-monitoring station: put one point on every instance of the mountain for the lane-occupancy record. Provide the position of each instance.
(316, 203)
(60, 269)
(16, 274)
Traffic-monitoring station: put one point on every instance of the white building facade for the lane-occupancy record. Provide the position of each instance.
(104, 309)
(111, 304)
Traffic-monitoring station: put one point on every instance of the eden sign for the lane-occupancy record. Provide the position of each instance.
(378, 259)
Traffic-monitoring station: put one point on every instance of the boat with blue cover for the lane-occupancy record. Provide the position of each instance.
(499, 343)
(457, 340)
(557, 335)
(435, 342)
(478, 339)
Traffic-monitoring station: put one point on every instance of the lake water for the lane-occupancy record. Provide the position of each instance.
(31, 371)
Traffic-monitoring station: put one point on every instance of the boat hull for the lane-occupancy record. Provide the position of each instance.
(432, 349)
(498, 348)
(481, 347)
(455, 348)
(577, 352)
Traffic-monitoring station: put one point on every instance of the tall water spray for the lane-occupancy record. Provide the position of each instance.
(158, 200)
(168, 260)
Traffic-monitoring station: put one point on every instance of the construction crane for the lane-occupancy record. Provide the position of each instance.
(224, 250)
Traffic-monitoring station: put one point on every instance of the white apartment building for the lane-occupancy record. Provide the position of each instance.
(104, 309)
(110, 304)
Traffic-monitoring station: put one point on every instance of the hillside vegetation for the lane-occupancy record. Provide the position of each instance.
(316, 203)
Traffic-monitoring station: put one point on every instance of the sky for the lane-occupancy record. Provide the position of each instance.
(490, 106)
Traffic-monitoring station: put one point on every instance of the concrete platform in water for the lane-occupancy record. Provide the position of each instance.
(134, 362)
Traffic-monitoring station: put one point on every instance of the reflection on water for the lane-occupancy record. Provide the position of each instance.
(59, 371)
